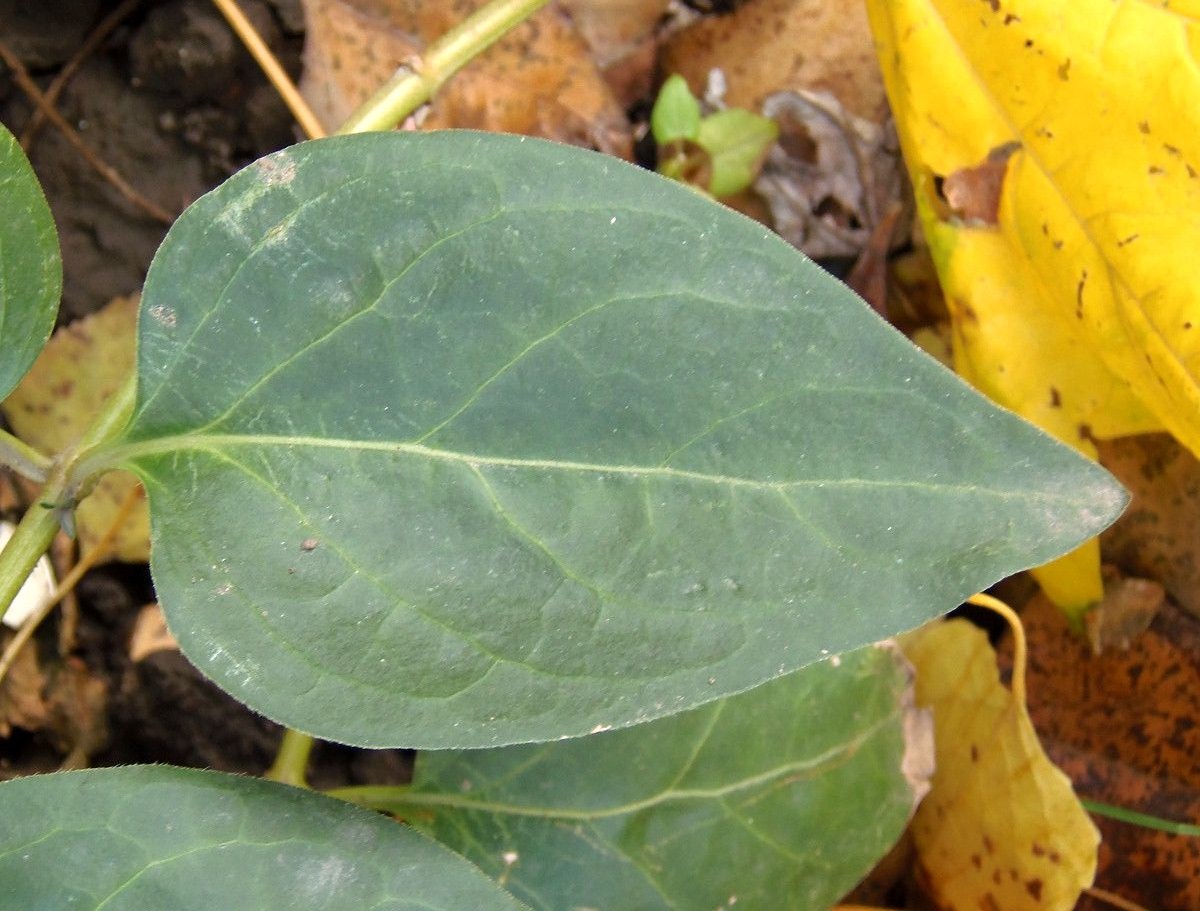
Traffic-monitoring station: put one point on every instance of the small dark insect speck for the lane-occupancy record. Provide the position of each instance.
(309, 544)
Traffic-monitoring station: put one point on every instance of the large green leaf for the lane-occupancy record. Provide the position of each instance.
(459, 440)
(156, 837)
(783, 797)
(30, 266)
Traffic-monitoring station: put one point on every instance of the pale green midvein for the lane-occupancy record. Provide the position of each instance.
(108, 458)
(405, 798)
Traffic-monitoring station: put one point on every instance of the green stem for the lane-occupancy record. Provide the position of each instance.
(1133, 817)
(23, 458)
(41, 521)
(291, 762)
(33, 536)
(113, 418)
(414, 85)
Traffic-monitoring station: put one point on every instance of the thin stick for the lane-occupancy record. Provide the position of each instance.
(106, 27)
(21, 75)
(86, 562)
(1113, 899)
(1020, 649)
(416, 83)
(272, 68)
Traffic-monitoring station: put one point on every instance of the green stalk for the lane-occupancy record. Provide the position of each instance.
(414, 85)
(291, 762)
(23, 458)
(33, 536)
(41, 522)
(1133, 817)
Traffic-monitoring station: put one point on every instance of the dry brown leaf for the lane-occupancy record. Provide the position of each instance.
(64, 701)
(1001, 829)
(54, 405)
(1127, 610)
(150, 634)
(538, 80)
(621, 35)
(1123, 726)
(832, 177)
(769, 46)
(1157, 535)
(22, 703)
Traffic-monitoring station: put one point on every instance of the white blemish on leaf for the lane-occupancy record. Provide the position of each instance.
(278, 171)
(164, 316)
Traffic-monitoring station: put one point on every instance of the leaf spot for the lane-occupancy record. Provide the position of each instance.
(165, 316)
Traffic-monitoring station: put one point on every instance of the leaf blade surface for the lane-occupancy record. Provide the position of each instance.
(462, 440)
(781, 797)
(30, 265)
(155, 836)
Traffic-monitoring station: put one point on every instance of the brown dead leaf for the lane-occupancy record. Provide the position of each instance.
(54, 404)
(1157, 535)
(832, 178)
(150, 634)
(769, 46)
(78, 702)
(538, 80)
(63, 701)
(22, 704)
(622, 37)
(1129, 607)
(973, 194)
(1124, 727)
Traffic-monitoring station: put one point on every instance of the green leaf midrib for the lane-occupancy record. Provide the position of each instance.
(127, 456)
(807, 766)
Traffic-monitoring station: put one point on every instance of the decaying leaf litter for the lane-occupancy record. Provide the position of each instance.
(999, 215)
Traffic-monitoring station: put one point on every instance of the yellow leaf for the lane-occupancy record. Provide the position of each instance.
(1001, 828)
(81, 367)
(1055, 154)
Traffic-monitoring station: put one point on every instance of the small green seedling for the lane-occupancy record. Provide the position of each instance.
(473, 443)
(720, 153)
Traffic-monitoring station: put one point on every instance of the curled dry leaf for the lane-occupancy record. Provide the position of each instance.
(1123, 725)
(1055, 160)
(538, 80)
(51, 408)
(831, 177)
(1001, 827)
(1129, 607)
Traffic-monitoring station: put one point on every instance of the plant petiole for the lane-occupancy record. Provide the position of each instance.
(417, 83)
(61, 490)
(291, 762)
(23, 458)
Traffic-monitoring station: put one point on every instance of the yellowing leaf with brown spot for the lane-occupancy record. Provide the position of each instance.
(76, 373)
(1055, 155)
(1001, 828)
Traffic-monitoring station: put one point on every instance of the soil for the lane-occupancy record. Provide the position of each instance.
(174, 104)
